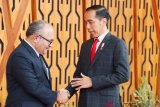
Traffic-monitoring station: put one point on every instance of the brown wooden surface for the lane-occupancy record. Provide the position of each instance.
(137, 22)
(157, 25)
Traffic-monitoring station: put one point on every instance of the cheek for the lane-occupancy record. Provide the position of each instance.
(98, 28)
(45, 44)
(95, 26)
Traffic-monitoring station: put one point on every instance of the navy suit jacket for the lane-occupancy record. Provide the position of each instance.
(27, 83)
(109, 68)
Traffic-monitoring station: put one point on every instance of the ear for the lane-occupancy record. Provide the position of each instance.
(104, 20)
(35, 38)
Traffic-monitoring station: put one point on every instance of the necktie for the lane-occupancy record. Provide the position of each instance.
(93, 51)
(44, 65)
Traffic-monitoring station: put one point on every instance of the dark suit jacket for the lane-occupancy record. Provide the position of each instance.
(109, 68)
(27, 83)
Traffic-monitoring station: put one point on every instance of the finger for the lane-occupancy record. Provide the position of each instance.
(63, 91)
(60, 90)
(76, 79)
(75, 85)
(74, 82)
(61, 100)
(80, 87)
(83, 75)
(64, 99)
(58, 101)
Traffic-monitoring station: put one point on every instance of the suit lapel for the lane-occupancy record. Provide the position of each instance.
(101, 47)
(45, 69)
(34, 55)
(29, 48)
(89, 47)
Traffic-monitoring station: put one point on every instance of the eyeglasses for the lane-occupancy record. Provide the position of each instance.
(50, 41)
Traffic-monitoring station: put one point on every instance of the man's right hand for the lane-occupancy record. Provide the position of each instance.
(63, 96)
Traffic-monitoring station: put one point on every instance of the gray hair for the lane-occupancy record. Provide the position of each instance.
(36, 27)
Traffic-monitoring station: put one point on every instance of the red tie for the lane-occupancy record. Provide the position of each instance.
(93, 51)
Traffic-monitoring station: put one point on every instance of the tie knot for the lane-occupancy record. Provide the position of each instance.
(96, 40)
(41, 58)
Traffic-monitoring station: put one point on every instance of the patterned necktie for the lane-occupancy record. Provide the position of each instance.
(46, 69)
(93, 51)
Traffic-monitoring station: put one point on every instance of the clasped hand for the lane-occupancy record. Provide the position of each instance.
(79, 83)
(62, 96)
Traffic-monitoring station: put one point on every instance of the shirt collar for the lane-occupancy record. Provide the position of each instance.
(32, 47)
(101, 37)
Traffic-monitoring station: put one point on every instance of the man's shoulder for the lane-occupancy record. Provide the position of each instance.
(86, 43)
(20, 50)
(115, 38)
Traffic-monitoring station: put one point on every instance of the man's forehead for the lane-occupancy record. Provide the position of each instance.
(90, 14)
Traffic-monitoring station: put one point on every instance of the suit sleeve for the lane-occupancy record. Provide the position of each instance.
(77, 74)
(120, 72)
(25, 75)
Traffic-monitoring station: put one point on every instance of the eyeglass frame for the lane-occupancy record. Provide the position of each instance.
(50, 41)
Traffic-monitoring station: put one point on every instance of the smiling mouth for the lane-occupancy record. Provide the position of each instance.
(91, 32)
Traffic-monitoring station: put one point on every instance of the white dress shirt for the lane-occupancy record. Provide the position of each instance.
(100, 38)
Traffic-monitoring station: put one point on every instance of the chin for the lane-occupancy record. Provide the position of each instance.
(45, 52)
(93, 36)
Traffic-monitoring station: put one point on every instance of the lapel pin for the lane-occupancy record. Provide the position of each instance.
(102, 45)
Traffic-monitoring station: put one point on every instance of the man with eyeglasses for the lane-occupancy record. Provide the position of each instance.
(28, 76)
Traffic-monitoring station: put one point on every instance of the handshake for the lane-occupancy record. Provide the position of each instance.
(62, 96)
(77, 83)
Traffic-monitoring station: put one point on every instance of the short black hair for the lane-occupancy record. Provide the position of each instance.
(101, 11)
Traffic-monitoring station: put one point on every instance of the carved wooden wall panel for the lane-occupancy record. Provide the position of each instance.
(131, 20)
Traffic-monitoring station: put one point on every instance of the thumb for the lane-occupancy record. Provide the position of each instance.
(83, 75)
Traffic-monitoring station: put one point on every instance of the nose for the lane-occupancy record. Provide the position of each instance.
(87, 26)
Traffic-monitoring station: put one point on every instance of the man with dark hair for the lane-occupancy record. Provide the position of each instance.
(102, 65)
(101, 12)
(28, 76)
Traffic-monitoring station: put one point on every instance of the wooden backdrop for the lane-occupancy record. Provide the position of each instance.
(135, 21)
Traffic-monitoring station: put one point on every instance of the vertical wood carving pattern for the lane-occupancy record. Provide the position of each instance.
(66, 16)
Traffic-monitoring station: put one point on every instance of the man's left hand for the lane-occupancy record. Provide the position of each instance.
(84, 82)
